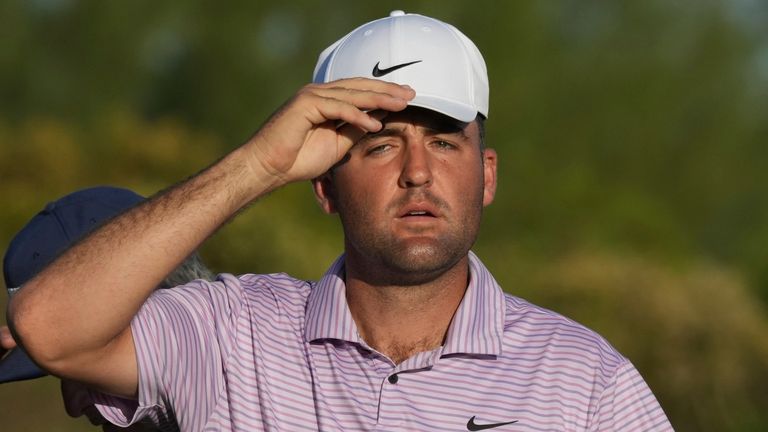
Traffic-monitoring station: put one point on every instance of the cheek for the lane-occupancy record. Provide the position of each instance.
(467, 181)
(366, 184)
(356, 200)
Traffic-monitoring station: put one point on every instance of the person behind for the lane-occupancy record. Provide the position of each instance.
(50, 232)
(407, 330)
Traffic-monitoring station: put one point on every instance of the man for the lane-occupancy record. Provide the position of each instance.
(406, 331)
(45, 236)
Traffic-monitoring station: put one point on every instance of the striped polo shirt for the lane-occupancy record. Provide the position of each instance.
(271, 352)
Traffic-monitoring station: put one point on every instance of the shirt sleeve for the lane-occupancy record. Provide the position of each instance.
(627, 404)
(182, 338)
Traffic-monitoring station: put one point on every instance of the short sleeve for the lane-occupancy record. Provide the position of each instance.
(182, 338)
(627, 404)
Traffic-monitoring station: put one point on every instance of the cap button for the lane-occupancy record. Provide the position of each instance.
(395, 13)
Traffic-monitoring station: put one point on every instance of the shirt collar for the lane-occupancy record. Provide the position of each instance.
(476, 328)
(478, 324)
(328, 315)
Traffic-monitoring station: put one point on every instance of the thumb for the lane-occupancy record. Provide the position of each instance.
(6, 339)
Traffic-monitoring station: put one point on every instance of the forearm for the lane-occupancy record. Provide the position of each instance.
(74, 317)
(88, 296)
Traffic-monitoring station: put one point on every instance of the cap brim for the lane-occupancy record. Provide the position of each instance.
(17, 366)
(458, 111)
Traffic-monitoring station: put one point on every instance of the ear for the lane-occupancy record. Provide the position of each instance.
(489, 176)
(325, 192)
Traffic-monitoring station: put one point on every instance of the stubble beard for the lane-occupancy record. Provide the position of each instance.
(385, 259)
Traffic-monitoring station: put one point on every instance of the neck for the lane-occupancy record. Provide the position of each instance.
(402, 320)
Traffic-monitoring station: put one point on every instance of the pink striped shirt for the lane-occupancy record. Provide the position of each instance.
(270, 352)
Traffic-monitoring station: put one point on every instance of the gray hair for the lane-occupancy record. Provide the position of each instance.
(192, 268)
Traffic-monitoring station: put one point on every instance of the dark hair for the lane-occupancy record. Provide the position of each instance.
(480, 119)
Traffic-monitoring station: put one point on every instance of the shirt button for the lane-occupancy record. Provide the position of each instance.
(392, 379)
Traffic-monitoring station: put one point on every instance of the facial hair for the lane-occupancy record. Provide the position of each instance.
(387, 259)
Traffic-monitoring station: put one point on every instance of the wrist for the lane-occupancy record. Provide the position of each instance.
(251, 178)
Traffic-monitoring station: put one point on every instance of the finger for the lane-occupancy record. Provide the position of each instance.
(353, 134)
(365, 99)
(336, 110)
(379, 115)
(399, 90)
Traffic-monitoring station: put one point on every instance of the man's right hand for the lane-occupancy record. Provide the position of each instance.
(302, 140)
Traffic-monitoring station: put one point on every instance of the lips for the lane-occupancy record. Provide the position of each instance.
(421, 210)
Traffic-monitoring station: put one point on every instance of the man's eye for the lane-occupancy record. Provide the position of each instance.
(379, 148)
(444, 145)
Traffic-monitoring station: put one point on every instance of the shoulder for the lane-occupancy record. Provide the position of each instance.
(564, 364)
(276, 287)
(233, 296)
(275, 290)
(558, 341)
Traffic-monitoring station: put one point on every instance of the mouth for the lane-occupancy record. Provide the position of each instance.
(420, 211)
(416, 213)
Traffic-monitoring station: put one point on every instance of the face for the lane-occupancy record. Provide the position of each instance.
(410, 197)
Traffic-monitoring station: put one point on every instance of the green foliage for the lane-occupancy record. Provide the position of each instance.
(632, 153)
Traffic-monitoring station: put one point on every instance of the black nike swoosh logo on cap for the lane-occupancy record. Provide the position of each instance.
(472, 426)
(381, 72)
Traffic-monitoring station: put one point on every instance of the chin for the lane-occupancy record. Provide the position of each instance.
(405, 260)
(426, 261)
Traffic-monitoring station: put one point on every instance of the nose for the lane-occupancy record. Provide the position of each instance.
(416, 170)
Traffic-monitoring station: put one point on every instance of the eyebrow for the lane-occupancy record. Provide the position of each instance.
(447, 129)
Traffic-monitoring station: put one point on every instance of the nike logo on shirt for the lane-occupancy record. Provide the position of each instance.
(472, 426)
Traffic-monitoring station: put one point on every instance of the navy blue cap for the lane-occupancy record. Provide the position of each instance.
(59, 225)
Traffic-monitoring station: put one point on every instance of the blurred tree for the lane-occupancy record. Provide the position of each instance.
(625, 129)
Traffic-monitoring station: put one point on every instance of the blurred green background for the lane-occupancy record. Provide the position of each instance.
(631, 136)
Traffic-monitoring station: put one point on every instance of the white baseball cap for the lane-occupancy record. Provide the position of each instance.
(439, 62)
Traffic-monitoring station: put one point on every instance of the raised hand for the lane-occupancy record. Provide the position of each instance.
(303, 139)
